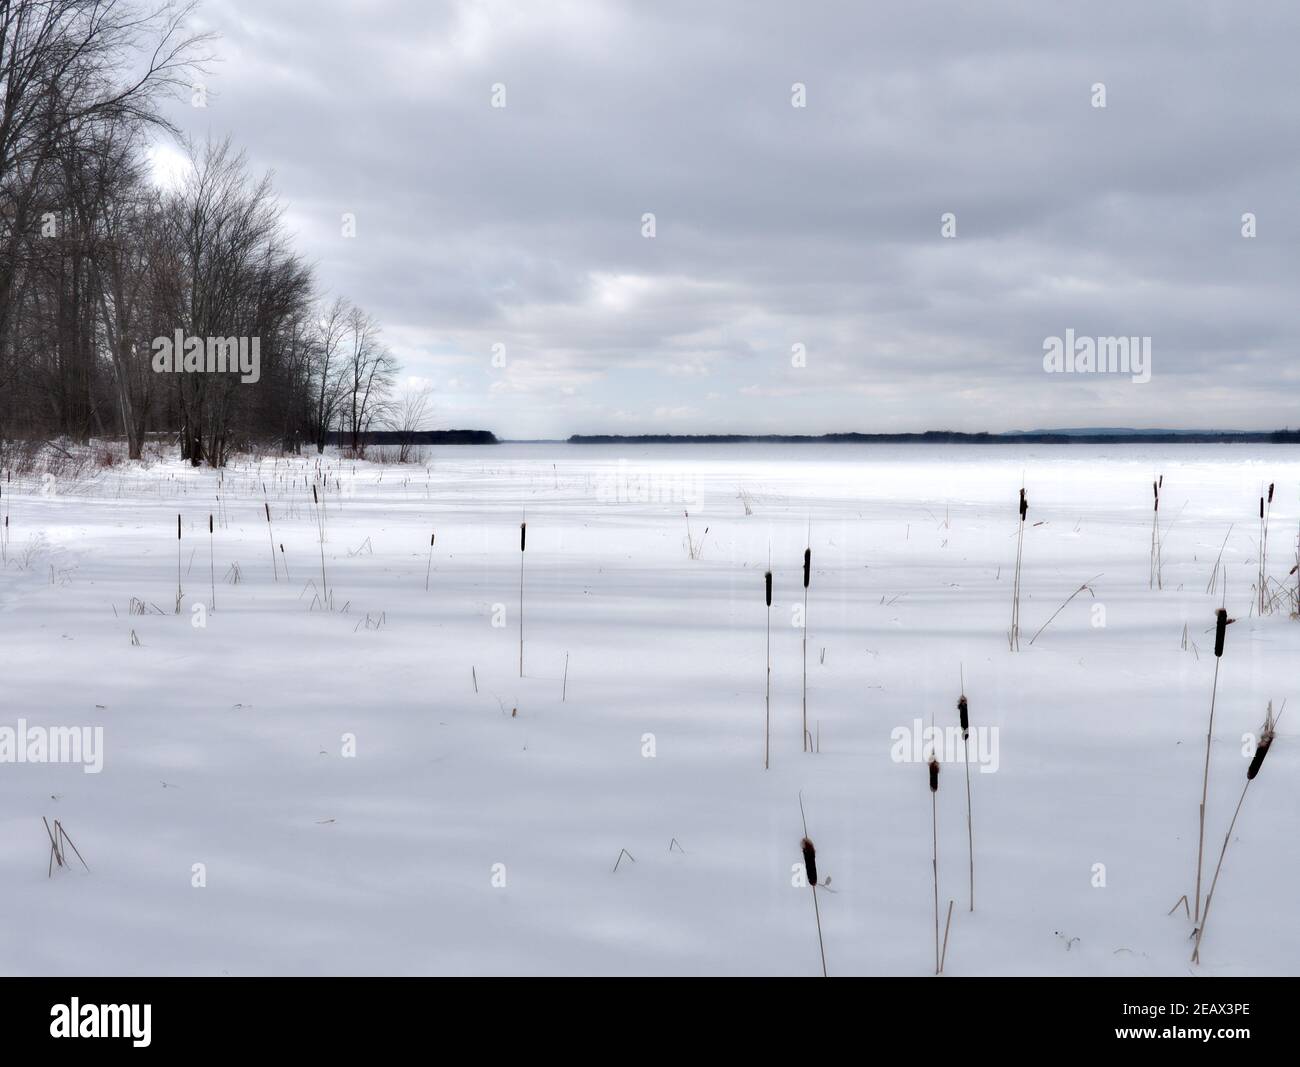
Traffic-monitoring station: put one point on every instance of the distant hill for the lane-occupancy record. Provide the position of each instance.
(943, 437)
(1112, 431)
(418, 437)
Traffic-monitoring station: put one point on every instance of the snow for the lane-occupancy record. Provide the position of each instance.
(224, 744)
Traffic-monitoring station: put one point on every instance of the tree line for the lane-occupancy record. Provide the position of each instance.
(100, 267)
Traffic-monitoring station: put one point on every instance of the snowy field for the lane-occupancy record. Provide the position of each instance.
(370, 787)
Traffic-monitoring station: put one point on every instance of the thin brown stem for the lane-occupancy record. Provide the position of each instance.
(970, 829)
(767, 705)
(1200, 932)
(820, 943)
(947, 926)
(1205, 789)
(934, 824)
(805, 668)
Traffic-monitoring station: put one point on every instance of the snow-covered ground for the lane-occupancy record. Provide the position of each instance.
(227, 733)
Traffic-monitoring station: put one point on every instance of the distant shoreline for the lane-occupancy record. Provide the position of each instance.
(416, 437)
(946, 437)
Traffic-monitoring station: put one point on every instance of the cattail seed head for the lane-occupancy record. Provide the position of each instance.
(767, 585)
(1261, 746)
(178, 527)
(431, 536)
(1024, 505)
(934, 775)
(965, 717)
(1220, 629)
(209, 524)
(809, 860)
(268, 510)
(807, 566)
(1270, 492)
(1261, 750)
(523, 535)
(1261, 507)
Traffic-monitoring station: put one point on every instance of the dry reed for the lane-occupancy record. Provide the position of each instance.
(767, 713)
(934, 827)
(1220, 632)
(963, 712)
(1257, 761)
(523, 540)
(810, 876)
(1014, 634)
(807, 573)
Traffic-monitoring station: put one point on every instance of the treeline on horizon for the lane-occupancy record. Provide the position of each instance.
(407, 438)
(956, 437)
(96, 261)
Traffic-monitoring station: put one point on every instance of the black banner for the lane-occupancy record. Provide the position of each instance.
(334, 1015)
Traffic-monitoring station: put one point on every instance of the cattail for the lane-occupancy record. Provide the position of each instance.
(810, 870)
(180, 593)
(1156, 578)
(429, 569)
(320, 522)
(1265, 604)
(1261, 750)
(767, 701)
(270, 533)
(809, 860)
(1014, 635)
(212, 565)
(523, 540)
(807, 574)
(1266, 736)
(963, 713)
(934, 824)
(1220, 631)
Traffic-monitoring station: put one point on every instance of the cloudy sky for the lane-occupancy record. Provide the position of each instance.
(778, 226)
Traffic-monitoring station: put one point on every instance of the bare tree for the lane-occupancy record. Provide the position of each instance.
(128, 224)
(410, 415)
(96, 263)
(325, 374)
(67, 66)
(369, 377)
(229, 272)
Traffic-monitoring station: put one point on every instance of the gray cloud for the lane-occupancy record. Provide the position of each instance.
(779, 226)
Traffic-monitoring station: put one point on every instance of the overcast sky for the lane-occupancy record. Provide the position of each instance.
(778, 226)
